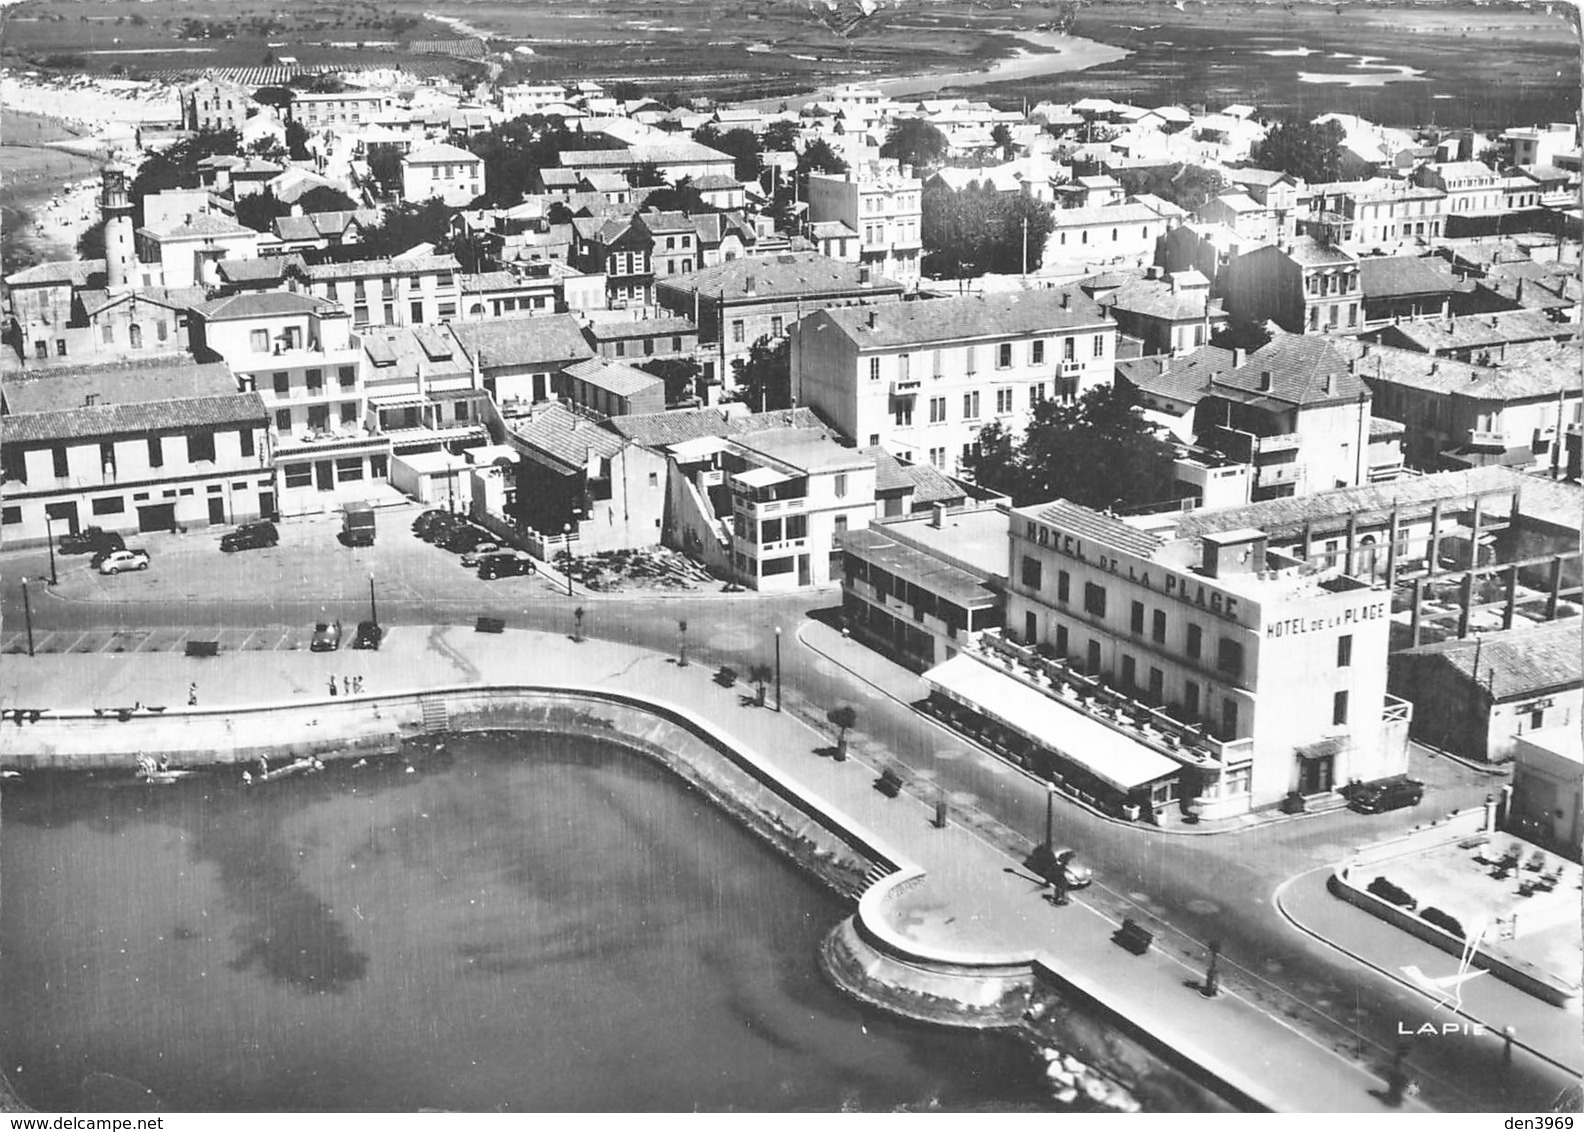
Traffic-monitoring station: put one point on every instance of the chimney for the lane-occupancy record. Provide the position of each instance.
(1066, 301)
(90, 399)
(1435, 367)
(938, 515)
(1328, 384)
(1366, 349)
(865, 276)
(873, 318)
(1265, 380)
(1165, 364)
(1239, 356)
(748, 284)
(1153, 271)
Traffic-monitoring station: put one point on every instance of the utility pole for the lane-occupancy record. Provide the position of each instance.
(27, 615)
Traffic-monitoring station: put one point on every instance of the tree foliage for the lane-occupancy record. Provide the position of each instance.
(681, 377)
(1186, 186)
(742, 145)
(177, 166)
(514, 151)
(406, 225)
(763, 379)
(978, 230)
(277, 96)
(384, 166)
(259, 210)
(297, 141)
(1098, 452)
(780, 136)
(1308, 150)
(1002, 138)
(915, 142)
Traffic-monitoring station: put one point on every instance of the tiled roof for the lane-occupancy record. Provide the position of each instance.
(1262, 177)
(660, 153)
(1310, 252)
(552, 339)
(264, 304)
(976, 316)
(1106, 214)
(269, 268)
(154, 395)
(716, 181)
(401, 350)
(1555, 502)
(202, 224)
(831, 230)
(1535, 374)
(171, 298)
(614, 377)
(1386, 276)
(77, 272)
(1288, 515)
(366, 268)
(782, 276)
(641, 328)
(665, 221)
(439, 155)
(927, 484)
(1157, 298)
(657, 430)
(1298, 366)
(1383, 429)
(565, 436)
(1473, 331)
(1513, 664)
(1182, 379)
(488, 281)
(1104, 530)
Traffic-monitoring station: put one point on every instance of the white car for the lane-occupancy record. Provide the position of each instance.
(119, 561)
(471, 558)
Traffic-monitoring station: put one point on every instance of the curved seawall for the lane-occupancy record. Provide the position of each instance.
(869, 956)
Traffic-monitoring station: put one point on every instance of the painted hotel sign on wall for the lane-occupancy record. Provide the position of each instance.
(1294, 626)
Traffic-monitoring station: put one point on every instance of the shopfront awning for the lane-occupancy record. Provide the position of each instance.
(1107, 754)
(761, 477)
(400, 401)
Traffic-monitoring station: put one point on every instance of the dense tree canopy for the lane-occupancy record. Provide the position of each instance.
(681, 377)
(742, 145)
(514, 151)
(780, 136)
(177, 166)
(406, 225)
(978, 230)
(915, 142)
(764, 378)
(1186, 186)
(1307, 150)
(1098, 452)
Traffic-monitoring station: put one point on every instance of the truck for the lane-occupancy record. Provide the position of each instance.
(357, 524)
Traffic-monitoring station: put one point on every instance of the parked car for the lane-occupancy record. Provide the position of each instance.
(1079, 875)
(442, 526)
(488, 546)
(1391, 794)
(120, 561)
(368, 636)
(428, 519)
(90, 539)
(506, 564)
(326, 637)
(464, 538)
(250, 536)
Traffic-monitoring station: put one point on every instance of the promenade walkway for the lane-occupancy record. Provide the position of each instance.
(975, 901)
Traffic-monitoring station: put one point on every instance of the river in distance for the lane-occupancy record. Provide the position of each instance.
(520, 924)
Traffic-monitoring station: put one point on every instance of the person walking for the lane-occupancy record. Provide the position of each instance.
(346, 685)
(192, 695)
(357, 685)
(332, 686)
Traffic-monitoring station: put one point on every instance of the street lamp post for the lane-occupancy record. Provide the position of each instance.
(566, 529)
(27, 615)
(49, 535)
(778, 667)
(373, 609)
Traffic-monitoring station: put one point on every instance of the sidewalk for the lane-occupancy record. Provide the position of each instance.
(980, 903)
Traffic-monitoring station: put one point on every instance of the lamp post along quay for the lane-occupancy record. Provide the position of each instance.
(373, 608)
(27, 615)
(566, 529)
(778, 666)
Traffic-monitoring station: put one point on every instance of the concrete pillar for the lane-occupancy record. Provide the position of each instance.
(1413, 622)
(1352, 543)
(1556, 588)
(1433, 552)
(1391, 550)
(1511, 598)
(1474, 535)
(1466, 599)
(1490, 813)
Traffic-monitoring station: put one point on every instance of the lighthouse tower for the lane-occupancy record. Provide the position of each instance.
(115, 203)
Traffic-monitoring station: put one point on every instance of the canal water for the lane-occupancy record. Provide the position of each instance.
(519, 924)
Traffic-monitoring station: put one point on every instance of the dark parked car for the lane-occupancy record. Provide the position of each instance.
(368, 635)
(441, 527)
(464, 538)
(428, 519)
(326, 637)
(249, 536)
(506, 564)
(1392, 794)
(89, 540)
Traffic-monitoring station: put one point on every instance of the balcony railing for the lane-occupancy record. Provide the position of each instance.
(1188, 743)
(1396, 710)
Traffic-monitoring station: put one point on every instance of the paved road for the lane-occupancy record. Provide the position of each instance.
(1215, 887)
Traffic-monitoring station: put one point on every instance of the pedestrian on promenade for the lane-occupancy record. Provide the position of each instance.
(192, 695)
(332, 686)
(346, 685)
(357, 685)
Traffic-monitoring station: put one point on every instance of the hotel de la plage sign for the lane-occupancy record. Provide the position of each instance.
(1193, 591)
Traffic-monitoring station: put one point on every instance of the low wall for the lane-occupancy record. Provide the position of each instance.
(1524, 975)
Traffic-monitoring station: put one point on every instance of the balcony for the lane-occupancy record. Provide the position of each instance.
(1187, 743)
(325, 439)
(905, 386)
(1484, 438)
(1071, 369)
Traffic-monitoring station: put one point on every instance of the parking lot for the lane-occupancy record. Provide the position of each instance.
(277, 592)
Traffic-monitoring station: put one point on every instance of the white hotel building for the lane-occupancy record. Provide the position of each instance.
(1279, 664)
(920, 379)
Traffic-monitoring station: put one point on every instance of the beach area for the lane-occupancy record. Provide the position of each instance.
(55, 136)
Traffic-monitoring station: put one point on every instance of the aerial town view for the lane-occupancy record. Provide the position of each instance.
(967, 556)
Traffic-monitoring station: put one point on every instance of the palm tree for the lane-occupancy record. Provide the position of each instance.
(759, 675)
(842, 718)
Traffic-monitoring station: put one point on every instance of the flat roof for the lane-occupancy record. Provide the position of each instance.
(923, 569)
(976, 538)
(1109, 755)
(807, 449)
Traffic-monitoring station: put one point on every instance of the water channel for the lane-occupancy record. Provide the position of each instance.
(524, 923)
